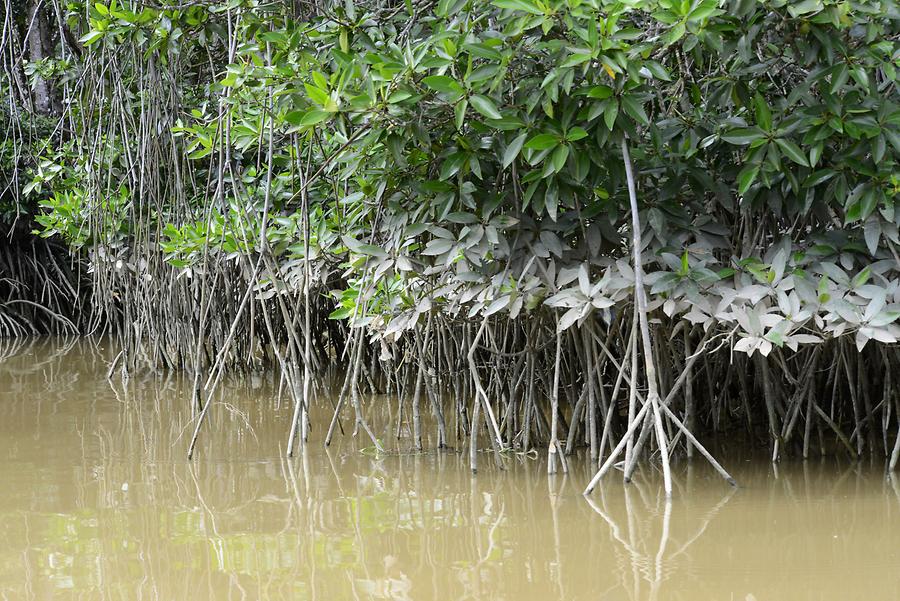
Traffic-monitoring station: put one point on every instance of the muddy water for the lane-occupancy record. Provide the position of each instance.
(98, 502)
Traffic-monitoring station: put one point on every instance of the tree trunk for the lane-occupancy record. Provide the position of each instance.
(39, 49)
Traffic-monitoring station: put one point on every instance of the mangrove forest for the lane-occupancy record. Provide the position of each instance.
(629, 232)
(436, 300)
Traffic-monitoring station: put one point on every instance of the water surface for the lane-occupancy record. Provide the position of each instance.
(98, 502)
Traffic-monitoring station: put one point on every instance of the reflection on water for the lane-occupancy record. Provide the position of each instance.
(98, 502)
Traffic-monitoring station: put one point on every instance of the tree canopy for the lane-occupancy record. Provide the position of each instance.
(464, 156)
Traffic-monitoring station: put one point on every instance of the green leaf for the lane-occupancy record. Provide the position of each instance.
(746, 178)
(861, 203)
(674, 34)
(443, 84)
(610, 114)
(872, 234)
(792, 151)
(600, 92)
(319, 80)
(317, 95)
(657, 220)
(559, 157)
(775, 337)
(743, 135)
(462, 217)
(703, 11)
(805, 7)
(576, 133)
(341, 313)
(91, 37)
(512, 151)
(542, 142)
(634, 109)
(460, 112)
(399, 96)
(666, 16)
(657, 70)
(551, 200)
(665, 283)
(817, 177)
(200, 152)
(763, 114)
(868, 202)
(314, 116)
(815, 153)
(294, 117)
(452, 165)
(839, 77)
(485, 106)
(861, 278)
(484, 73)
(523, 5)
(577, 58)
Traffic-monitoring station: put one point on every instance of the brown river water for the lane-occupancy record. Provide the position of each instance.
(97, 501)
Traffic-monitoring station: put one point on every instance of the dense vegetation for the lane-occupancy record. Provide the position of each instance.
(445, 198)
